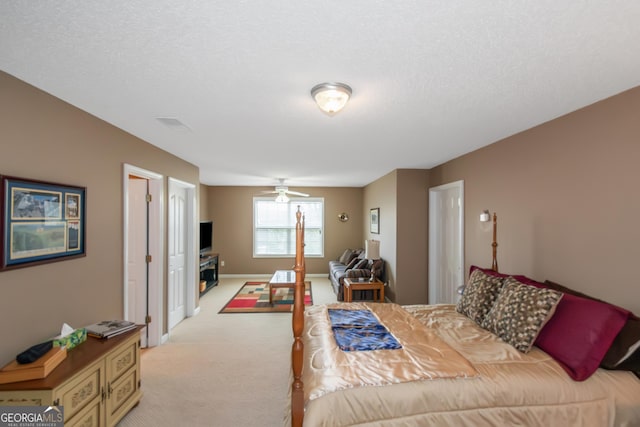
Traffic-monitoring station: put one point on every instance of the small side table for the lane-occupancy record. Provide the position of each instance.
(353, 284)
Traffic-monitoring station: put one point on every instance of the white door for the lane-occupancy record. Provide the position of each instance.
(446, 242)
(177, 255)
(137, 291)
(136, 252)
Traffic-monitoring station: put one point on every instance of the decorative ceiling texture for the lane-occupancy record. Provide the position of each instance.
(431, 80)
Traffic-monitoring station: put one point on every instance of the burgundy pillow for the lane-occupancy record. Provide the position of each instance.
(624, 346)
(580, 333)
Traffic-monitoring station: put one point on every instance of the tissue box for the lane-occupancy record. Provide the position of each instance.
(72, 340)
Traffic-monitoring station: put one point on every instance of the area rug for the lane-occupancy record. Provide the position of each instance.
(253, 297)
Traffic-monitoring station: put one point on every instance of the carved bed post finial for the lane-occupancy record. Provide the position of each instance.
(494, 265)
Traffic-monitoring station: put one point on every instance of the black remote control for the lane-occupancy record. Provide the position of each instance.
(34, 353)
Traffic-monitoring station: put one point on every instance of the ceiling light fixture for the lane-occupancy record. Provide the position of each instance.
(331, 97)
(282, 198)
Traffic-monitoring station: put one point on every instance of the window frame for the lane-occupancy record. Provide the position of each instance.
(292, 201)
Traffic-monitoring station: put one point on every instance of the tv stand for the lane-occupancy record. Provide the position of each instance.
(208, 271)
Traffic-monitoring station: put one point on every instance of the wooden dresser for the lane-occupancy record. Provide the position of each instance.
(97, 384)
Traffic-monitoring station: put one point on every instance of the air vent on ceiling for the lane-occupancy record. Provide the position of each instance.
(173, 123)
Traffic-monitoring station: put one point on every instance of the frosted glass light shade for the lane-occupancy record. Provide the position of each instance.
(282, 198)
(331, 97)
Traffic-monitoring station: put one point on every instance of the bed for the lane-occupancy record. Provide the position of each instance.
(449, 369)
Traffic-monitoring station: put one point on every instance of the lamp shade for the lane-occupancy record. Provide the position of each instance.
(372, 249)
(331, 97)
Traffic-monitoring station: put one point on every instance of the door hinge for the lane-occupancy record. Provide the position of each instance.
(149, 198)
(148, 258)
(147, 319)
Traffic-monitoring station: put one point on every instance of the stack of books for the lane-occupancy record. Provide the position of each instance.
(109, 328)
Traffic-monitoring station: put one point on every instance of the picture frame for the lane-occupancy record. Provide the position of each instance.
(374, 220)
(42, 222)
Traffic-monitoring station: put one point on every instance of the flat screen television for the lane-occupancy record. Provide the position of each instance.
(206, 237)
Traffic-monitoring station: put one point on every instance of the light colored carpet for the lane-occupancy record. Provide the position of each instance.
(219, 369)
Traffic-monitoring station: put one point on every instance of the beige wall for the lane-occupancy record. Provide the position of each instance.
(231, 209)
(402, 196)
(382, 194)
(203, 197)
(566, 195)
(412, 232)
(44, 138)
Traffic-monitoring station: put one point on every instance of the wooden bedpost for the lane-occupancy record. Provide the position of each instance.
(297, 350)
(494, 265)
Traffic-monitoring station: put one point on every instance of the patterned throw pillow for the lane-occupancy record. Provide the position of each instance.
(362, 263)
(346, 256)
(479, 295)
(520, 312)
(352, 263)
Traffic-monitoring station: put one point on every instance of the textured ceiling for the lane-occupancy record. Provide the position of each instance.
(431, 80)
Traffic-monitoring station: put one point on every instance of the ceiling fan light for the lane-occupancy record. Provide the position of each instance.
(282, 198)
(331, 97)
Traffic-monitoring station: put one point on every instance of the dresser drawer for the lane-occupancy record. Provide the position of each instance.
(119, 362)
(90, 416)
(121, 394)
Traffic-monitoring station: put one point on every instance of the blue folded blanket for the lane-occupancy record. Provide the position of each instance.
(360, 330)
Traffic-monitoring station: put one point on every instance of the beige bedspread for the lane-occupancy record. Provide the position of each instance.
(510, 388)
(423, 354)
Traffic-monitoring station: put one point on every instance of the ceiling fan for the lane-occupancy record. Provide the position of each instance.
(282, 191)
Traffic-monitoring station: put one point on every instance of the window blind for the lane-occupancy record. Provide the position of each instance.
(274, 228)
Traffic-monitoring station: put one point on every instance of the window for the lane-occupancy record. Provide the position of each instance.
(274, 227)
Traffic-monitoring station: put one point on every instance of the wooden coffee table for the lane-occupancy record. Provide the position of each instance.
(281, 279)
(353, 284)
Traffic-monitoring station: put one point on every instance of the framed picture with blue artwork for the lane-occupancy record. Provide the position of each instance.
(41, 222)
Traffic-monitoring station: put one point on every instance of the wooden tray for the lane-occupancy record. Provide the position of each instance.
(15, 371)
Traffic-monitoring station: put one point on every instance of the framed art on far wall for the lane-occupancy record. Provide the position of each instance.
(41, 222)
(374, 220)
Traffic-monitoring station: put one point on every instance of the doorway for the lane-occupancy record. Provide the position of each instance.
(143, 238)
(446, 242)
(181, 280)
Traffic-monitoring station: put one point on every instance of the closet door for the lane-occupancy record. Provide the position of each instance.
(446, 242)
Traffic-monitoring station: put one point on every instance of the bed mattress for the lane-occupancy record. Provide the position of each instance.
(484, 382)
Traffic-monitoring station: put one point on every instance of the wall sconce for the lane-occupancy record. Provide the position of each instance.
(486, 217)
(343, 217)
(331, 97)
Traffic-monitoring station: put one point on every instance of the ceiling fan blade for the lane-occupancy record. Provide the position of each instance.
(269, 192)
(296, 193)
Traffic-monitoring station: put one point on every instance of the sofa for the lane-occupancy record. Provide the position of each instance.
(353, 264)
